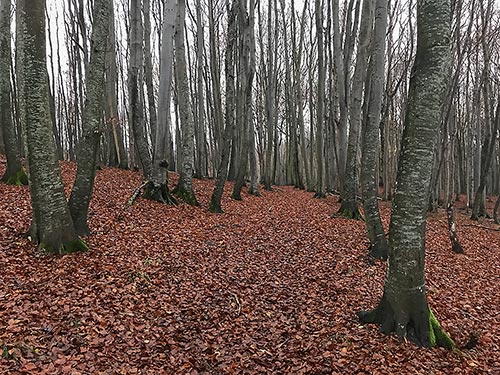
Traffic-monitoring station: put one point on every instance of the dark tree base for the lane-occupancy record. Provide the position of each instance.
(215, 208)
(379, 250)
(159, 193)
(185, 195)
(414, 322)
(319, 195)
(495, 211)
(350, 210)
(254, 192)
(69, 247)
(19, 178)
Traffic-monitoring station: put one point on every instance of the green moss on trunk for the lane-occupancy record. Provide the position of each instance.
(19, 178)
(350, 210)
(438, 337)
(186, 196)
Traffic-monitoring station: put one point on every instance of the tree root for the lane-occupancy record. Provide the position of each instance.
(409, 325)
(69, 247)
(350, 210)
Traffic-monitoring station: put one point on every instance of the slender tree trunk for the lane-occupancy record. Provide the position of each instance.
(201, 139)
(52, 227)
(350, 204)
(117, 153)
(269, 95)
(136, 112)
(341, 90)
(184, 188)
(404, 307)
(157, 189)
(216, 86)
(92, 119)
(215, 201)
(320, 188)
(370, 138)
(14, 173)
(148, 69)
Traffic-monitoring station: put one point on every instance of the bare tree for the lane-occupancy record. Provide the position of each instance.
(184, 188)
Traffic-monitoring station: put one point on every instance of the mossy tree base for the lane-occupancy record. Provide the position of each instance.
(411, 319)
(185, 195)
(20, 178)
(350, 210)
(69, 247)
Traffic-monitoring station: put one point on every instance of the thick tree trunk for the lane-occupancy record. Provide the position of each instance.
(370, 140)
(184, 188)
(404, 308)
(52, 227)
(14, 173)
(92, 119)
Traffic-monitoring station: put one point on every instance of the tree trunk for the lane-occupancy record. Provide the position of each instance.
(370, 135)
(52, 227)
(136, 112)
(14, 173)
(117, 154)
(92, 119)
(184, 188)
(350, 204)
(320, 188)
(404, 308)
(157, 188)
(215, 201)
(148, 69)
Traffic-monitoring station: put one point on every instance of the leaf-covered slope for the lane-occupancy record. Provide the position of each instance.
(271, 286)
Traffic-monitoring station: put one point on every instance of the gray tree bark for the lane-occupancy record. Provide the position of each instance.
(320, 183)
(92, 119)
(136, 111)
(157, 189)
(14, 173)
(184, 188)
(117, 154)
(350, 203)
(404, 307)
(215, 201)
(370, 140)
(52, 226)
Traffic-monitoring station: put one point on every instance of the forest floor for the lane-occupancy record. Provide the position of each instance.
(272, 286)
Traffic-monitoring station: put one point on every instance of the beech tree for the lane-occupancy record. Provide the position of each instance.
(92, 119)
(184, 188)
(404, 307)
(370, 137)
(14, 173)
(52, 226)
